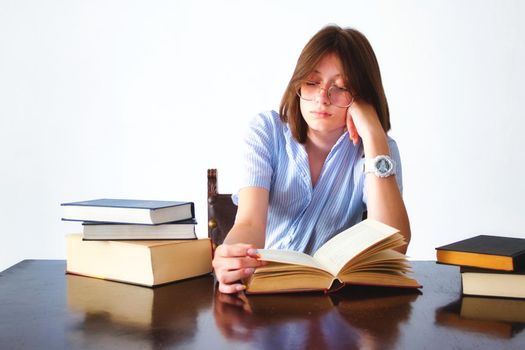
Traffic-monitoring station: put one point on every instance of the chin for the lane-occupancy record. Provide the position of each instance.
(326, 127)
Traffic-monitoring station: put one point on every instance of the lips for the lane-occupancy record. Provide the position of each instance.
(320, 114)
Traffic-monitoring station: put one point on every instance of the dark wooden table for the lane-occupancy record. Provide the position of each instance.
(42, 308)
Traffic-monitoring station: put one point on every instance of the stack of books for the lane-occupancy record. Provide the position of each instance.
(135, 241)
(492, 272)
(489, 265)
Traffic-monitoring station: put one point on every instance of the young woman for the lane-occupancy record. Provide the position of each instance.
(313, 169)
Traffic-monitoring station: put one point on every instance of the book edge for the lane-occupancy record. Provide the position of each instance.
(85, 204)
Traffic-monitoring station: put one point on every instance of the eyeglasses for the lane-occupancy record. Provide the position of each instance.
(339, 97)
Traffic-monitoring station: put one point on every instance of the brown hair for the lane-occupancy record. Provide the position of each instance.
(360, 67)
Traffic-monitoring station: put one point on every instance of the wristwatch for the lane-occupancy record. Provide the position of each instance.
(380, 166)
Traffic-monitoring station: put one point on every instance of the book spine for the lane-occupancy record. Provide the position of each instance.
(519, 262)
(338, 287)
(192, 210)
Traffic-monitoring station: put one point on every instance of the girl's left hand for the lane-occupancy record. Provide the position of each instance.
(362, 121)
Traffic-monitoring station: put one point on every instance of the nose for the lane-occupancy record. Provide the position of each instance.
(322, 96)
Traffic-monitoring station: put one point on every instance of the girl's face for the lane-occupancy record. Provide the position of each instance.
(320, 114)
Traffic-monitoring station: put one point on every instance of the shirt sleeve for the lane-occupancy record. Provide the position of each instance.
(257, 154)
(394, 154)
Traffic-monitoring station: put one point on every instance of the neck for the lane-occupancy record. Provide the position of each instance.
(323, 141)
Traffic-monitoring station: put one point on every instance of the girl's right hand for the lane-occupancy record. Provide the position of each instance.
(233, 262)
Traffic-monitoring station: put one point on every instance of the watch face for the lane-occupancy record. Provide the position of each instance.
(383, 166)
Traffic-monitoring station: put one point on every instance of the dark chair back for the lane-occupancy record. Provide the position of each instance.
(221, 211)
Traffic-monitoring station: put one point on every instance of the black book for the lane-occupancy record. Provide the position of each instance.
(490, 252)
(130, 211)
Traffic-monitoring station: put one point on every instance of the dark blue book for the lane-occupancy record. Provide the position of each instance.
(130, 211)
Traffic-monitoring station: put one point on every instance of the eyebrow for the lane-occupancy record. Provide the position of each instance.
(335, 76)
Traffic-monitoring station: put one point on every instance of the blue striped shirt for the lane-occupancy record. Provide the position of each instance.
(302, 217)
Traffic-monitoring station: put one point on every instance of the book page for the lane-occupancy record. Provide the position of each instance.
(348, 244)
(289, 257)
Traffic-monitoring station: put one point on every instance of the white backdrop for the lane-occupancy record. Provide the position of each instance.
(136, 99)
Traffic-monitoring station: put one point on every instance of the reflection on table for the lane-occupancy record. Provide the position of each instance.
(496, 317)
(164, 315)
(43, 308)
(356, 317)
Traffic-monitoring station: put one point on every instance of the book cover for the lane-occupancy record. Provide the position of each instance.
(184, 229)
(128, 211)
(363, 255)
(146, 263)
(483, 251)
(494, 283)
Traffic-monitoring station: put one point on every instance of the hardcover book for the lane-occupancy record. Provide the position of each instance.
(113, 231)
(146, 263)
(490, 252)
(493, 283)
(128, 211)
(363, 254)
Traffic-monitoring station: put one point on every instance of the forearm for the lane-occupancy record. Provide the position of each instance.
(246, 233)
(250, 222)
(384, 201)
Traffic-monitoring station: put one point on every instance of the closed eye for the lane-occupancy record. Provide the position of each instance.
(342, 89)
(311, 83)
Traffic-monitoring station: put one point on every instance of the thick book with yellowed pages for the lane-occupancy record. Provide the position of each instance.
(483, 251)
(363, 255)
(147, 263)
(492, 283)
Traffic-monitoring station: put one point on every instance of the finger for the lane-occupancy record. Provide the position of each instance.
(349, 120)
(231, 288)
(352, 131)
(236, 263)
(355, 137)
(232, 281)
(254, 253)
(231, 277)
(231, 250)
(350, 125)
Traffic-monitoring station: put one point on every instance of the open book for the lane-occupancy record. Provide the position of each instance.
(362, 254)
